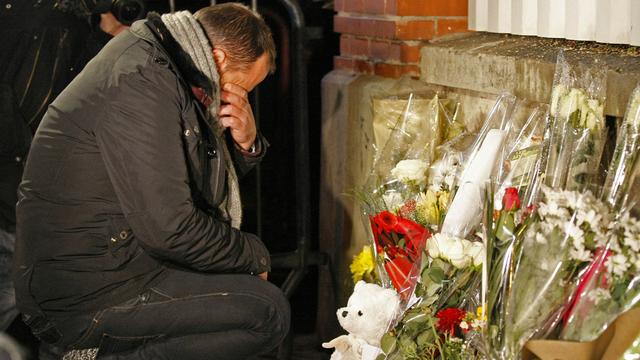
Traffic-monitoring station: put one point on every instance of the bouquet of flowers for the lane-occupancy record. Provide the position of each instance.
(538, 251)
(452, 262)
(424, 334)
(563, 237)
(612, 283)
(506, 219)
(401, 240)
(610, 286)
(577, 138)
(451, 271)
(396, 200)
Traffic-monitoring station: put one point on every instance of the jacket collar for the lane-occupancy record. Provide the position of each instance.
(153, 30)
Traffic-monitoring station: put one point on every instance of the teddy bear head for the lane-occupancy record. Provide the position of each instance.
(369, 312)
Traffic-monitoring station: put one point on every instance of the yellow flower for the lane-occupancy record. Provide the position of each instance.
(363, 266)
(443, 200)
(427, 208)
(480, 314)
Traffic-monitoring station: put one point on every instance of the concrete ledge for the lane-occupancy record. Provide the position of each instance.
(492, 63)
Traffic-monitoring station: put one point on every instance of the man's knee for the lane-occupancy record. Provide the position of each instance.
(276, 325)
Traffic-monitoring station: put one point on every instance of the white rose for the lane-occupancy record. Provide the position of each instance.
(410, 170)
(433, 246)
(476, 252)
(452, 249)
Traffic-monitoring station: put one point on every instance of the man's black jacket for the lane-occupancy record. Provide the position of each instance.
(122, 179)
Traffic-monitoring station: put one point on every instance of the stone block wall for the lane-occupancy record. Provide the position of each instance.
(384, 37)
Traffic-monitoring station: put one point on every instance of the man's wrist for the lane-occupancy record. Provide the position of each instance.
(252, 150)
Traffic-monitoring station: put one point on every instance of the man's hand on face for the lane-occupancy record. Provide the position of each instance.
(111, 25)
(263, 275)
(236, 114)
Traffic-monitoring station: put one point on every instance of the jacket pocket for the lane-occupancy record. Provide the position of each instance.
(121, 241)
(207, 172)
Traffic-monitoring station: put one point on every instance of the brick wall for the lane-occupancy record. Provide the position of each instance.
(384, 37)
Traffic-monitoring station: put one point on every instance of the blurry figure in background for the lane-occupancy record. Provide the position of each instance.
(44, 44)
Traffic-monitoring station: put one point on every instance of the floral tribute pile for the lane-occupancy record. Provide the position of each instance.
(509, 234)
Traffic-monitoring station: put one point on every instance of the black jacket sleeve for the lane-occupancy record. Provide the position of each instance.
(140, 142)
(245, 162)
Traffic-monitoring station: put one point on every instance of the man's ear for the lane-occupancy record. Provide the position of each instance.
(220, 58)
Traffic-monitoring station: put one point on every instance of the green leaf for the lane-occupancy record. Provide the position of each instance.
(388, 343)
(506, 227)
(439, 263)
(419, 319)
(436, 275)
(408, 345)
(433, 288)
(618, 291)
(424, 339)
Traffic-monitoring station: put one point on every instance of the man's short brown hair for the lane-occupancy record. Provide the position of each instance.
(242, 33)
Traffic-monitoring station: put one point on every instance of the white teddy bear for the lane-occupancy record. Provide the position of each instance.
(370, 310)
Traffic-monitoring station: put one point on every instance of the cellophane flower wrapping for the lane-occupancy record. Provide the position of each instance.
(610, 286)
(622, 170)
(578, 125)
(507, 215)
(612, 283)
(395, 195)
(563, 237)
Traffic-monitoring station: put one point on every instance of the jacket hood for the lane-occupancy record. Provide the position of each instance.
(153, 30)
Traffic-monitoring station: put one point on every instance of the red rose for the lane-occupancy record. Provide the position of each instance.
(449, 319)
(386, 220)
(407, 227)
(511, 201)
(415, 234)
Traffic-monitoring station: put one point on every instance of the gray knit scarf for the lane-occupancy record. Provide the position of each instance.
(189, 34)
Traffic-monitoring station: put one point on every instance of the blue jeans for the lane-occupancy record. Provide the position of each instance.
(187, 315)
(8, 309)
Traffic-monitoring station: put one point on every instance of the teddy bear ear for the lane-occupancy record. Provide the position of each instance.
(359, 284)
